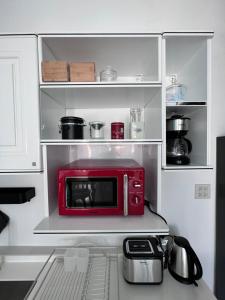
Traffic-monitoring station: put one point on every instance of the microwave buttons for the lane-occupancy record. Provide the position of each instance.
(137, 184)
(136, 200)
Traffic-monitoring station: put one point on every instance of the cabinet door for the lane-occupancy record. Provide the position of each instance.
(19, 102)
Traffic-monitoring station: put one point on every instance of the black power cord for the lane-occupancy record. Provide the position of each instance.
(147, 203)
(165, 251)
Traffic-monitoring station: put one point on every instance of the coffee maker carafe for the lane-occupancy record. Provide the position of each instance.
(177, 146)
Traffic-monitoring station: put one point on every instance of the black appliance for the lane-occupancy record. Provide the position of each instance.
(178, 147)
(4, 220)
(220, 219)
(16, 195)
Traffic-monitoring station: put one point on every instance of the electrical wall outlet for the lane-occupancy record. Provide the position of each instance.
(202, 191)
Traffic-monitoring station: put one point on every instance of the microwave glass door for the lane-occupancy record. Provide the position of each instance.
(91, 192)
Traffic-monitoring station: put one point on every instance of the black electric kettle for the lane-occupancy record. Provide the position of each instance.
(183, 263)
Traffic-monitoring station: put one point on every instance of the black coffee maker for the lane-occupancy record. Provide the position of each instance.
(177, 146)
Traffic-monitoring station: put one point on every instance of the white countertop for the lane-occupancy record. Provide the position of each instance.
(170, 289)
(21, 267)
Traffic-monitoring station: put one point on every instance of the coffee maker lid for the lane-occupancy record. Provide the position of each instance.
(174, 117)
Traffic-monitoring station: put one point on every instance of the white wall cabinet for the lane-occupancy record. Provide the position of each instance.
(130, 55)
(157, 57)
(188, 55)
(19, 102)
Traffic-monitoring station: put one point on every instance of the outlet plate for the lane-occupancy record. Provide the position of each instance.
(202, 191)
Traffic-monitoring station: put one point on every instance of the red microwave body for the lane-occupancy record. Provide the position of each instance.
(101, 187)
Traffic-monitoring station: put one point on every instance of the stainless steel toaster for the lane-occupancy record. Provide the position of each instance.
(142, 260)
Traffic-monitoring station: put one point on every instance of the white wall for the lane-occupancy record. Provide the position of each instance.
(189, 217)
(136, 16)
(108, 16)
(23, 216)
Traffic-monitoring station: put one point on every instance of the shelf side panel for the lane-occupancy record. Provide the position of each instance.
(51, 112)
(198, 136)
(56, 157)
(150, 163)
(153, 116)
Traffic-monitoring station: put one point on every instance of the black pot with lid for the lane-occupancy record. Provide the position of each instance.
(72, 127)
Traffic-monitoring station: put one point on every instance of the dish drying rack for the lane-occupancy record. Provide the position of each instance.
(88, 277)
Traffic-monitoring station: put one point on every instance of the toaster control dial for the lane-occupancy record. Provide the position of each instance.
(136, 200)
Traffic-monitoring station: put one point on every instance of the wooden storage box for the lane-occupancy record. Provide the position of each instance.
(55, 71)
(82, 71)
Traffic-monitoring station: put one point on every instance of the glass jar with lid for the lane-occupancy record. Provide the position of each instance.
(97, 130)
(175, 92)
(108, 74)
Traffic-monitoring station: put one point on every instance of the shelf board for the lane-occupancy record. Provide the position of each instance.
(103, 35)
(186, 167)
(96, 84)
(148, 223)
(99, 142)
(187, 105)
(203, 34)
(183, 109)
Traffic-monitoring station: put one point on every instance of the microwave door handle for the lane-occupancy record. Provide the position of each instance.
(125, 195)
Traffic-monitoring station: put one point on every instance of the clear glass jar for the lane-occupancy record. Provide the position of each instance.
(175, 92)
(108, 74)
(97, 130)
(137, 123)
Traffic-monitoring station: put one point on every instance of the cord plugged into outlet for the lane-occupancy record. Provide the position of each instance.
(202, 191)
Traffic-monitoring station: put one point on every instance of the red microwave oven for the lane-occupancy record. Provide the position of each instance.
(101, 187)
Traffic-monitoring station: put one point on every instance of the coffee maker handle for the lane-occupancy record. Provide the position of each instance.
(196, 263)
(189, 145)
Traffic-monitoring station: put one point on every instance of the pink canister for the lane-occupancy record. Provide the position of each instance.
(117, 130)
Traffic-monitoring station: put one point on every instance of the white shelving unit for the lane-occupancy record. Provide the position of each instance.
(188, 56)
(109, 102)
(129, 54)
(105, 103)
(56, 155)
(156, 56)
